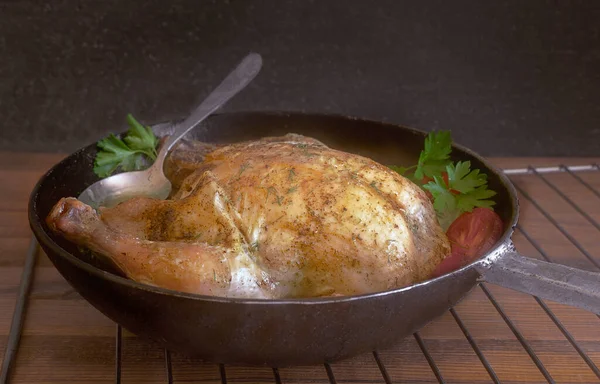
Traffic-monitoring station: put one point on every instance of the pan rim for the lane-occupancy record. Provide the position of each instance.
(498, 249)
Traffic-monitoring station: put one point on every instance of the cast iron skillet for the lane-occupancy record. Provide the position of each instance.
(299, 331)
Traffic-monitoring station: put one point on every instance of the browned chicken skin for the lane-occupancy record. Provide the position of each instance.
(274, 218)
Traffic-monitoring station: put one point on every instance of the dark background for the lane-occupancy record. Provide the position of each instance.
(518, 77)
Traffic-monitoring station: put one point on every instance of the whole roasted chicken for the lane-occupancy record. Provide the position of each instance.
(280, 217)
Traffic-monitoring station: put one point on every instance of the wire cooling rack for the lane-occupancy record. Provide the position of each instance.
(575, 173)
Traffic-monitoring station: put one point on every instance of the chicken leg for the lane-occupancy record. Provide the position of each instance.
(188, 267)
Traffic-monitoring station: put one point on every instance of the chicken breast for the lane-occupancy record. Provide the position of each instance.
(280, 217)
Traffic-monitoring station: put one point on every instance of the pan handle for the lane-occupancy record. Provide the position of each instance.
(550, 281)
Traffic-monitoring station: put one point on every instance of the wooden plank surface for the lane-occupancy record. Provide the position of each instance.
(67, 340)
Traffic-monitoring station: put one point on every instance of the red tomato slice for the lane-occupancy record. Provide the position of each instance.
(471, 235)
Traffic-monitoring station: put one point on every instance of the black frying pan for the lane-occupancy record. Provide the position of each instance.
(298, 331)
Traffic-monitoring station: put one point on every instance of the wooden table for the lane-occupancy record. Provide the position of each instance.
(494, 335)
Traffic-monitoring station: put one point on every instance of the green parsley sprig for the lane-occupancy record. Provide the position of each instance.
(433, 158)
(464, 190)
(133, 153)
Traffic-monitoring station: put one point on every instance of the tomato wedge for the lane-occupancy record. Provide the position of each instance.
(471, 235)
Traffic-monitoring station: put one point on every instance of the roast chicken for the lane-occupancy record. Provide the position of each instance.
(280, 217)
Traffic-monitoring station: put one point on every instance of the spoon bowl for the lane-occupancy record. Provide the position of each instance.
(152, 181)
(118, 188)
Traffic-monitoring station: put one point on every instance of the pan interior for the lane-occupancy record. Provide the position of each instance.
(385, 143)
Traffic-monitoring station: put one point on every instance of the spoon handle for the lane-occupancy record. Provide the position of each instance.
(237, 80)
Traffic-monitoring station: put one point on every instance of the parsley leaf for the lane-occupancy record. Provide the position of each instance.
(435, 156)
(478, 198)
(462, 179)
(130, 154)
(140, 138)
(443, 198)
(466, 190)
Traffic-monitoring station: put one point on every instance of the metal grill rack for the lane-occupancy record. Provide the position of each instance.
(575, 173)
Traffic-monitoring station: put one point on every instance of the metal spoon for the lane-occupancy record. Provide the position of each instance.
(152, 182)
